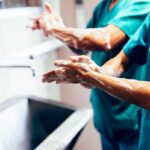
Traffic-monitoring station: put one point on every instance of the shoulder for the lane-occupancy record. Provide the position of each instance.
(100, 6)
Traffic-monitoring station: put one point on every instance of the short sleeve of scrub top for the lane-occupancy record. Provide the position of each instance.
(127, 17)
(136, 48)
(106, 108)
(95, 16)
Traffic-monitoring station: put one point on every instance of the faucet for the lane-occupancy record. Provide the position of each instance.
(18, 66)
(29, 54)
(14, 62)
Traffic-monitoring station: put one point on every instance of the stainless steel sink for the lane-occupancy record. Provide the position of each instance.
(28, 123)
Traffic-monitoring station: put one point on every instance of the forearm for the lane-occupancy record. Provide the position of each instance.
(87, 39)
(102, 39)
(133, 91)
(117, 65)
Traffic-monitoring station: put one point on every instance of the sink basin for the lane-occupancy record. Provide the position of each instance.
(28, 123)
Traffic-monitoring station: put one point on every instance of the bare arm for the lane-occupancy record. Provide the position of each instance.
(116, 66)
(103, 39)
(133, 91)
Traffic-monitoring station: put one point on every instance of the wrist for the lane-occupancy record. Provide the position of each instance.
(58, 32)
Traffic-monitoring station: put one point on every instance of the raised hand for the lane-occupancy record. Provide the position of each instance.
(48, 20)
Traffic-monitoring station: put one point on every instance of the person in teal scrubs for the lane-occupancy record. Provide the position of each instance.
(119, 19)
(136, 51)
(117, 121)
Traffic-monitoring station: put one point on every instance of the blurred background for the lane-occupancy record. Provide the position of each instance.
(24, 53)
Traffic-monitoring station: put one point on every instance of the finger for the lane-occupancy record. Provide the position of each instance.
(36, 20)
(68, 64)
(95, 68)
(48, 8)
(63, 81)
(62, 62)
(50, 79)
(49, 73)
(53, 72)
(74, 66)
(73, 58)
(49, 76)
(35, 25)
(46, 78)
(59, 73)
(68, 81)
(59, 81)
(85, 59)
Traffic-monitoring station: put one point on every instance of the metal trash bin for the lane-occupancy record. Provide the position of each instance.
(28, 123)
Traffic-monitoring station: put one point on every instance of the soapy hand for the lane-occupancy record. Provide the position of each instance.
(72, 70)
(61, 75)
(64, 75)
(84, 60)
(48, 21)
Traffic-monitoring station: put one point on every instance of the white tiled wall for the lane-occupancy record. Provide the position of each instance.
(13, 82)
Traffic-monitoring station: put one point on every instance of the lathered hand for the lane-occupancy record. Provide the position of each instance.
(66, 75)
(83, 61)
(48, 21)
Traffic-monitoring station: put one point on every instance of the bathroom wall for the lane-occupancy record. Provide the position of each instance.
(20, 81)
(16, 38)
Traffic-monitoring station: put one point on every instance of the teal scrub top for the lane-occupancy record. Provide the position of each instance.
(113, 118)
(138, 50)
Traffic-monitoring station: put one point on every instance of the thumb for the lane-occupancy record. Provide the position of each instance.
(47, 7)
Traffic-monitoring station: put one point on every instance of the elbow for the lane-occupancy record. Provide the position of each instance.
(142, 100)
(107, 47)
(104, 47)
(106, 42)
